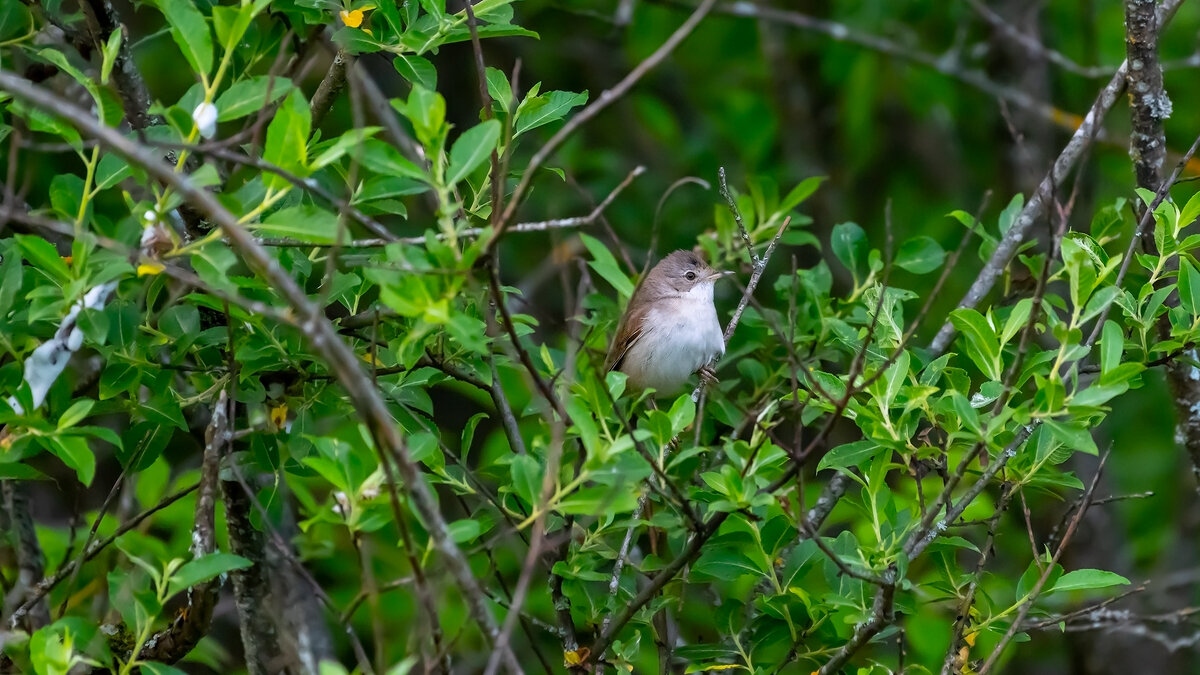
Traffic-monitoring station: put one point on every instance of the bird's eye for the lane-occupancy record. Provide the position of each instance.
(691, 276)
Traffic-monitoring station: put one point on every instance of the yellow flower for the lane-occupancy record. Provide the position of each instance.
(577, 657)
(149, 268)
(279, 415)
(353, 18)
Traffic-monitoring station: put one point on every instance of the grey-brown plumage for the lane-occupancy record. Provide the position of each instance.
(670, 328)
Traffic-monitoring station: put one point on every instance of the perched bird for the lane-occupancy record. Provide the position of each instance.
(670, 328)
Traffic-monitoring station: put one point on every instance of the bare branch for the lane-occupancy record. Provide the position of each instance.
(536, 226)
(1033, 593)
(329, 89)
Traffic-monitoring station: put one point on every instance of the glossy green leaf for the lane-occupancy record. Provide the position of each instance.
(250, 96)
(287, 140)
(190, 31)
(606, 265)
(471, 149)
(1078, 580)
(849, 245)
(308, 224)
(205, 568)
(920, 255)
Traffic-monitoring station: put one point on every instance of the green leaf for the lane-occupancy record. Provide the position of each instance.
(1033, 573)
(1112, 345)
(426, 109)
(982, 347)
(287, 140)
(327, 153)
(111, 170)
(1009, 215)
(190, 32)
(542, 110)
(384, 159)
(849, 245)
(204, 568)
(526, 475)
(15, 20)
(75, 414)
(1074, 436)
(19, 471)
(801, 192)
(920, 255)
(75, 453)
(600, 501)
(307, 223)
(849, 455)
(471, 149)
(464, 531)
(1189, 286)
(1191, 211)
(1080, 272)
(111, 48)
(117, 378)
(499, 88)
(1079, 580)
(231, 23)
(44, 257)
(251, 95)
(1017, 320)
(606, 266)
(682, 413)
(417, 70)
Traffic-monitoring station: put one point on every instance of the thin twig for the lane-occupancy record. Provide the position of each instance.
(1033, 593)
(606, 98)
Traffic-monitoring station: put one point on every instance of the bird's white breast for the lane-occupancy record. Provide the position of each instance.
(681, 335)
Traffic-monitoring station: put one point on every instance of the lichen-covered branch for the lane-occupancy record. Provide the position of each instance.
(1149, 104)
(251, 585)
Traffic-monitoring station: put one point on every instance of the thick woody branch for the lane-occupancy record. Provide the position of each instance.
(102, 20)
(1148, 107)
(191, 621)
(318, 331)
(331, 85)
(251, 585)
(1148, 102)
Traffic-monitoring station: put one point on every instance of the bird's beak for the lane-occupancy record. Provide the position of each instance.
(717, 275)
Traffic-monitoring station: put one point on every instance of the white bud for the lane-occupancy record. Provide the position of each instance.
(205, 116)
(342, 505)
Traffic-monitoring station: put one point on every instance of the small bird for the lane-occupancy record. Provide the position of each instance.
(670, 328)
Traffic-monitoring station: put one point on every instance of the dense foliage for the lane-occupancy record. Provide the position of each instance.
(279, 327)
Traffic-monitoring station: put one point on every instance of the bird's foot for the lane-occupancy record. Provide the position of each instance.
(707, 375)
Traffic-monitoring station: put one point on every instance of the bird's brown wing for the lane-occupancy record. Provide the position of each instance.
(629, 331)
